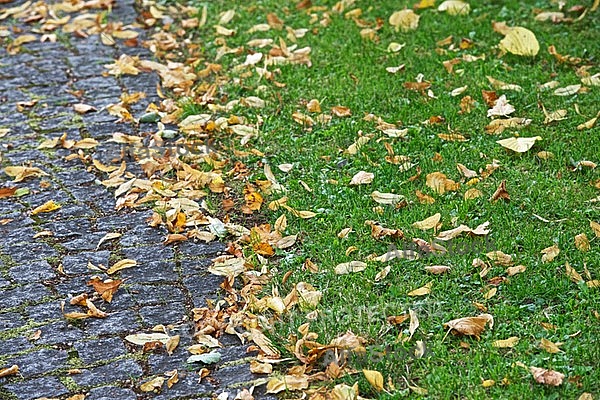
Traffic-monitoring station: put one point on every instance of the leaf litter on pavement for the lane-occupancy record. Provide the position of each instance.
(209, 174)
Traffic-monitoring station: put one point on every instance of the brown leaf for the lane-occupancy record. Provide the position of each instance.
(582, 242)
(501, 193)
(424, 198)
(471, 326)
(596, 228)
(106, 289)
(437, 269)
(397, 319)
(12, 370)
(510, 271)
(550, 253)
(7, 192)
(153, 385)
(438, 182)
(572, 274)
(547, 377)
(422, 291)
(404, 20)
(341, 111)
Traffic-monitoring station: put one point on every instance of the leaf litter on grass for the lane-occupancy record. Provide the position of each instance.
(207, 195)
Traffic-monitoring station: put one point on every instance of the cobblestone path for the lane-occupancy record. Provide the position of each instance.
(44, 257)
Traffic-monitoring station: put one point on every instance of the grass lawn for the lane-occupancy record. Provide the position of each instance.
(549, 186)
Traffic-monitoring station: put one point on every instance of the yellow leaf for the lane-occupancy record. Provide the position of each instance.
(428, 223)
(520, 41)
(455, 7)
(510, 271)
(386, 198)
(375, 379)
(490, 293)
(549, 346)
(472, 194)
(20, 173)
(422, 291)
(405, 20)
(46, 207)
(12, 370)
(153, 385)
(572, 274)
(126, 263)
(510, 342)
(582, 242)
(520, 145)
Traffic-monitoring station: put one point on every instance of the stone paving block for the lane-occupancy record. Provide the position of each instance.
(67, 229)
(162, 362)
(156, 294)
(211, 250)
(23, 294)
(44, 311)
(4, 283)
(39, 362)
(116, 323)
(32, 272)
(27, 252)
(59, 332)
(111, 393)
(89, 241)
(114, 372)
(234, 375)
(170, 313)
(91, 351)
(77, 264)
(154, 271)
(10, 320)
(14, 345)
(196, 267)
(32, 389)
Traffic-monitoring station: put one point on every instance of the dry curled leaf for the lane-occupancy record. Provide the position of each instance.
(550, 253)
(352, 266)
(520, 144)
(428, 223)
(470, 326)
(500, 193)
(506, 343)
(404, 20)
(362, 178)
(547, 377)
(374, 378)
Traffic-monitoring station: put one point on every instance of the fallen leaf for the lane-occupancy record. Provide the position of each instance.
(550, 253)
(106, 289)
(404, 20)
(437, 269)
(573, 275)
(414, 323)
(596, 228)
(506, 343)
(348, 267)
(547, 377)
(21, 173)
(257, 367)
(48, 206)
(490, 293)
(567, 90)
(500, 258)
(520, 145)
(501, 108)
(497, 126)
(207, 358)
(520, 41)
(341, 111)
(455, 7)
(387, 198)
(362, 178)
(374, 378)
(510, 271)
(81, 108)
(500, 193)
(582, 242)
(383, 273)
(12, 370)
(422, 291)
(549, 346)
(471, 326)
(428, 223)
(488, 383)
(153, 385)
(123, 264)
(143, 338)
(438, 182)
(288, 382)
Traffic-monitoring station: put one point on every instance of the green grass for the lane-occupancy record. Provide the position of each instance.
(349, 70)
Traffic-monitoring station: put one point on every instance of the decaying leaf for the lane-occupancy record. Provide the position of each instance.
(387, 198)
(21, 173)
(362, 178)
(549, 346)
(500, 193)
(414, 323)
(374, 378)
(422, 291)
(383, 273)
(455, 7)
(470, 326)
(106, 289)
(123, 264)
(520, 41)
(428, 223)
(573, 275)
(153, 385)
(440, 183)
(404, 20)
(143, 338)
(550, 253)
(500, 258)
(595, 227)
(582, 242)
(520, 144)
(437, 269)
(547, 377)
(501, 108)
(506, 343)
(517, 269)
(349, 267)
(497, 126)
